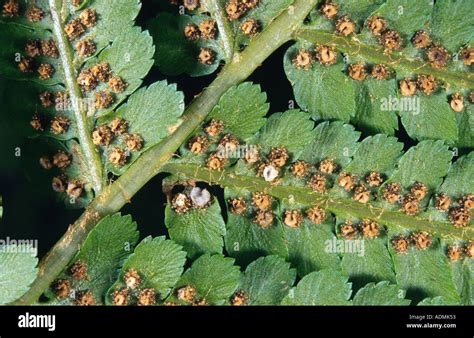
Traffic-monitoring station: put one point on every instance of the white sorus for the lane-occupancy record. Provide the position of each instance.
(200, 197)
(180, 200)
(270, 173)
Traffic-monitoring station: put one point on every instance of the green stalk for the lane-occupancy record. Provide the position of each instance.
(375, 54)
(88, 148)
(342, 207)
(115, 196)
(226, 34)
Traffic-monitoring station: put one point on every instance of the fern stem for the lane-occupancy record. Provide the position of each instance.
(116, 195)
(82, 125)
(375, 54)
(226, 33)
(342, 207)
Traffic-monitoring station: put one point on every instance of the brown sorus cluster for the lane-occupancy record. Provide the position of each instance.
(191, 32)
(117, 84)
(421, 39)
(467, 201)
(118, 126)
(391, 40)
(264, 218)
(467, 55)
(45, 71)
(132, 279)
(278, 156)
(191, 5)
(426, 83)
(346, 181)
(103, 99)
(216, 162)
(206, 56)
(74, 29)
(85, 298)
(208, 29)
(410, 204)
(146, 297)
(186, 294)
(46, 99)
(59, 184)
(454, 253)
(34, 14)
(250, 27)
(293, 218)
(62, 160)
(391, 193)
(361, 194)
(60, 125)
(345, 25)
(329, 10)
(316, 214)
(419, 190)
(262, 201)
(437, 56)
(457, 102)
(181, 203)
(400, 244)
(358, 71)
(369, 228)
(78, 270)
(198, 144)
(303, 59)
(380, 72)
(87, 80)
(376, 25)
(348, 230)
(46, 163)
(300, 168)
(121, 297)
(374, 179)
(240, 298)
(49, 48)
(214, 128)
(407, 87)
(102, 135)
(74, 189)
(327, 166)
(62, 288)
(318, 183)
(237, 206)
(422, 240)
(118, 156)
(88, 17)
(459, 216)
(134, 142)
(442, 202)
(237, 8)
(33, 48)
(37, 123)
(326, 55)
(11, 8)
(229, 143)
(86, 48)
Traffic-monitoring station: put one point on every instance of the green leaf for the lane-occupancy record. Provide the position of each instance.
(463, 278)
(371, 114)
(380, 294)
(465, 122)
(104, 251)
(433, 120)
(333, 140)
(215, 278)
(152, 113)
(291, 129)
(307, 247)
(435, 301)
(452, 23)
(406, 16)
(267, 280)
(198, 231)
(159, 262)
(460, 178)
(242, 109)
(374, 263)
(325, 91)
(376, 153)
(425, 273)
(325, 287)
(358, 9)
(427, 162)
(17, 270)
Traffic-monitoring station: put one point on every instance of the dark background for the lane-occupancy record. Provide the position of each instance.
(31, 208)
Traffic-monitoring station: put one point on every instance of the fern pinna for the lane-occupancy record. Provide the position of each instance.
(324, 203)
